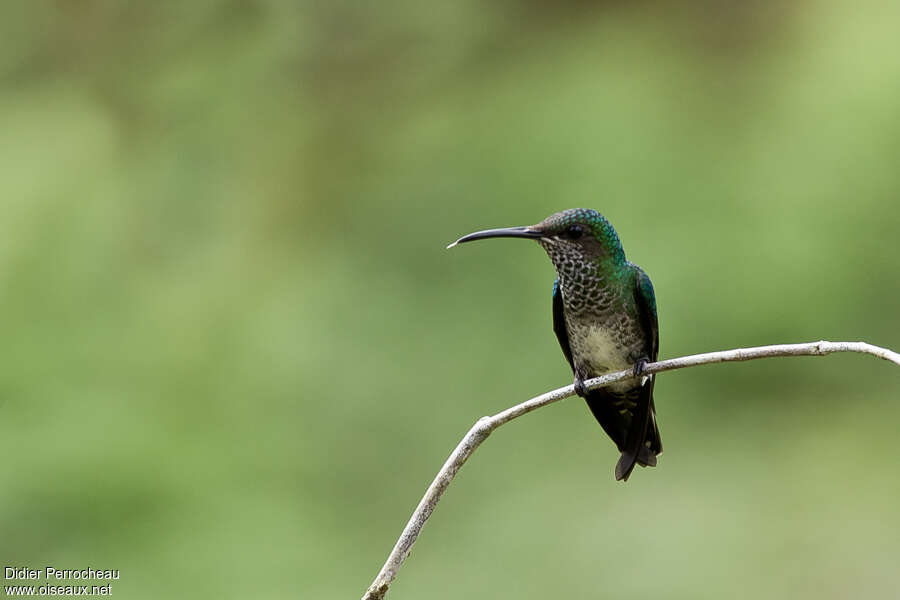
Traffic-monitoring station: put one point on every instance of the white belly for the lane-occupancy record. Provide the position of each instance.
(603, 353)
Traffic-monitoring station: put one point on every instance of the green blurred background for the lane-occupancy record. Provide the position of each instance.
(235, 350)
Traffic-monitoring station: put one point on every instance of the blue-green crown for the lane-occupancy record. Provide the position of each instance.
(601, 229)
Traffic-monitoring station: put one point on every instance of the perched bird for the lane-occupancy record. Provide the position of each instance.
(604, 316)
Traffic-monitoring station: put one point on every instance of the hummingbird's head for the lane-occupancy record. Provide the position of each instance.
(577, 234)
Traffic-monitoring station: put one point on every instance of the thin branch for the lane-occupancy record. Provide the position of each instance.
(486, 425)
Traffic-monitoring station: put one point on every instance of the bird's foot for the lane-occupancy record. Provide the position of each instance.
(579, 387)
(639, 366)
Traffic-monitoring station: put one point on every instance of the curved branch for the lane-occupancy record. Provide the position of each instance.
(485, 425)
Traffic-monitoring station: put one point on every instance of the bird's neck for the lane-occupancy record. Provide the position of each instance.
(590, 285)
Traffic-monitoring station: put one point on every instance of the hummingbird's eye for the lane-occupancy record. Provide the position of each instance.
(573, 232)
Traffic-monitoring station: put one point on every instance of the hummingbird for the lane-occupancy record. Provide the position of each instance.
(604, 316)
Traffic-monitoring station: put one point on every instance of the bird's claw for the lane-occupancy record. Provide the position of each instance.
(639, 366)
(579, 387)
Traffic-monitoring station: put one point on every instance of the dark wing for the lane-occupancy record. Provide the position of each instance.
(643, 443)
(559, 324)
(646, 304)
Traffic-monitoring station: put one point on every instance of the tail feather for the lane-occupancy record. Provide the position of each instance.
(645, 457)
(625, 466)
(634, 432)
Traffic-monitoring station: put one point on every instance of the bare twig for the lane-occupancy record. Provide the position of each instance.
(485, 425)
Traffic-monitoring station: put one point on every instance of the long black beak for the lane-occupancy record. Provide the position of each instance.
(510, 232)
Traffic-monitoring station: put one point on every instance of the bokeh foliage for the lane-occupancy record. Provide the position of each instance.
(235, 349)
